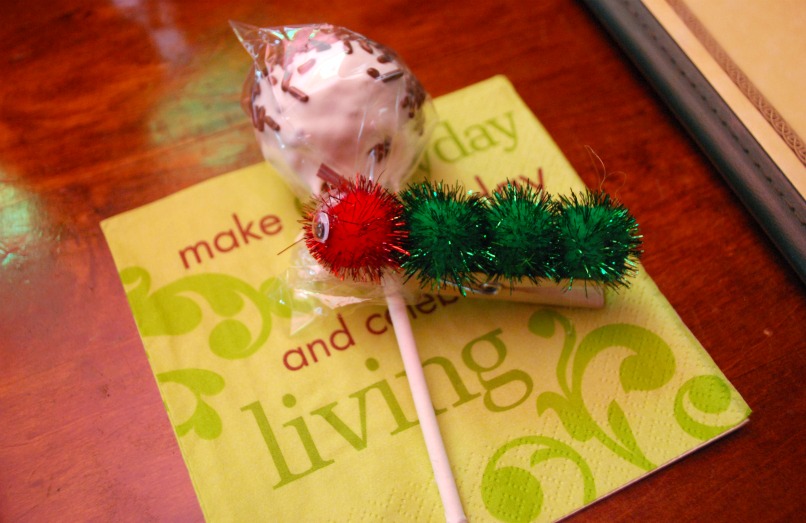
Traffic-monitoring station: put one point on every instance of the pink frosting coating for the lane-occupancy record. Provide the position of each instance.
(328, 95)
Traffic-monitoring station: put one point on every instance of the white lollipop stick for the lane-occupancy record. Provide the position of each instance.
(454, 513)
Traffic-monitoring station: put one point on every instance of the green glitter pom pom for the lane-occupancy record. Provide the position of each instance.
(447, 239)
(598, 239)
(523, 234)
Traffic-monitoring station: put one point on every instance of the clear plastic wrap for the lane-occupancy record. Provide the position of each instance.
(324, 95)
(320, 94)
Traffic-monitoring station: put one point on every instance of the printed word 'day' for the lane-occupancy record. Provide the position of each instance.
(450, 145)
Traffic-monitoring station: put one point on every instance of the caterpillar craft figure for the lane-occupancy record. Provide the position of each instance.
(445, 236)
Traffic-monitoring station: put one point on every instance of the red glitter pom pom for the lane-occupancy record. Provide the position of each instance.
(356, 230)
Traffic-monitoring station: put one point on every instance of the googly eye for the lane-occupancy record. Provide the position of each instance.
(321, 227)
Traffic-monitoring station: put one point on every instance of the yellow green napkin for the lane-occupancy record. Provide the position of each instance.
(543, 410)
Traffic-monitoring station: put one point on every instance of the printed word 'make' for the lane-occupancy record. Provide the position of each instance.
(230, 239)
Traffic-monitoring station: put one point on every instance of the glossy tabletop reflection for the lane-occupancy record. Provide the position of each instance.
(106, 106)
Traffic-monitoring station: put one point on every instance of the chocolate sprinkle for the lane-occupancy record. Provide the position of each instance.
(254, 116)
(296, 93)
(261, 115)
(373, 72)
(416, 95)
(304, 68)
(384, 59)
(380, 150)
(365, 46)
(391, 75)
(286, 81)
(274, 126)
(388, 51)
(348, 48)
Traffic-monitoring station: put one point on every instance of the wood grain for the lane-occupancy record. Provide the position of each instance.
(107, 106)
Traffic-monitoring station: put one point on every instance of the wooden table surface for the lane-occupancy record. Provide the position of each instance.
(105, 106)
